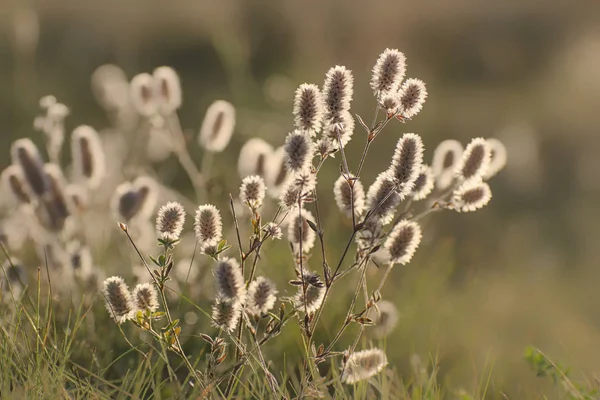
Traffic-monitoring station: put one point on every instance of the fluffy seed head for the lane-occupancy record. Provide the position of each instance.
(471, 195)
(308, 108)
(88, 156)
(298, 151)
(337, 92)
(315, 293)
(413, 94)
(474, 161)
(346, 197)
(118, 299)
(261, 296)
(379, 200)
(143, 95)
(363, 365)
(170, 220)
(80, 260)
(168, 90)
(230, 281)
(252, 191)
(217, 126)
(254, 157)
(13, 183)
(388, 72)
(290, 196)
(145, 297)
(226, 314)
(300, 232)
(54, 201)
(208, 226)
(406, 162)
(26, 155)
(497, 158)
(385, 318)
(445, 158)
(135, 200)
(423, 184)
(110, 87)
(276, 173)
(403, 241)
(390, 103)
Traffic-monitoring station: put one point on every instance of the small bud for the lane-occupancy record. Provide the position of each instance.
(273, 230)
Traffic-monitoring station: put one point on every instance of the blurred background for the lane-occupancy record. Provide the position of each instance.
(483, 286)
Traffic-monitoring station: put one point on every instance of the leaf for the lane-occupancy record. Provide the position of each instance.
(312, 225)
(171, 325)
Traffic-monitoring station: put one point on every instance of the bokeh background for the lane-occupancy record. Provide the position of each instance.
(483, 286)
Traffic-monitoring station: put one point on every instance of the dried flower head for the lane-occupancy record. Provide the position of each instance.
(118, 299)
(308, 108)
(498, 158)
(406, 162)
(208, 226)
(315, 293)
(252, 191)
(403, 241)
(337, 92)
(413, 94)
(276, 173)
(26, 155)
(384, 317)
(273, 230)
(388, 72)
(167, 88)
(471, 195)
(383, 198)
(145, 297)
(346, 196)
(363, 365)
(291, 196)
(226, 314)
(170, 220)
(254, 157)
(423, 184)
(217, 126)
(445, 158)
(474, 161)
(261, 296)
(13, 183)
(299, 151)
(135, 200)
(300, 234)
(324, 147)
(88, 156)
(143, 95)
(230, 281)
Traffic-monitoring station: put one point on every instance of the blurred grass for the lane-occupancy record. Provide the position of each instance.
(482, 287)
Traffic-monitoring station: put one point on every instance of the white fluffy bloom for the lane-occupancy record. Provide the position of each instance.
(383, 198)
(471, 195)
(118, 299)
(363, 364)
(346, 197)
(167, 88)
(230, 281)
(145, 297)
(276, 173)
(413, 94)
(88, 156)
(388, 72)
(299, 231)
(208, 226)
(261, 296)
(308, 108)
(423, 184)
(254, 157)
(252, 191)
(217, 126)
(142, 94)
(474, 161)
(406, 162)
(170, 220)
(498, 158)
(445, 158)
(299, 151)
(403, 241)
(385, 318)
